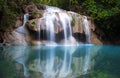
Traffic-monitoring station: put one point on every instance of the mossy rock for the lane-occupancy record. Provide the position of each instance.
(32, 24)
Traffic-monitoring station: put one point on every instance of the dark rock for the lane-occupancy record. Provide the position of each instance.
(1, 40)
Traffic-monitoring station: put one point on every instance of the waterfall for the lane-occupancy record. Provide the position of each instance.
(21, 30)
(24, 65)
(87, 29)
(66, 23)
(22, 59)
(39, 55)
(25, 19)
(62, 19)
(87, 56)
(65, 20)
(50, 19)
(38, 26)
(53, 9)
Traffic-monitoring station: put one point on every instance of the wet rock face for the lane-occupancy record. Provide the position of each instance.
(44, 22)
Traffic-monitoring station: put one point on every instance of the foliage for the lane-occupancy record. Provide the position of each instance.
(33, 24)
(105, 13)
(47, 2)
(101, 9)
(8, 10)
(74, 1)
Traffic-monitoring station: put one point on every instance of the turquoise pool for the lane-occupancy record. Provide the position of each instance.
(81, 61)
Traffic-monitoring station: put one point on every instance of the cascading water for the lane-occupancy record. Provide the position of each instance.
(63, 20)
(66, 23)
(50, 18)
(87, 29)
(22, 59)
(38, 25)
(21, 28)
(87, 56)
(25, 19)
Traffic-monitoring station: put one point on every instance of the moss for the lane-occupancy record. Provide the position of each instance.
(33, 24)
(73, 20)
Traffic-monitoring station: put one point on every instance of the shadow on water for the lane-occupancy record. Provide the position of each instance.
(60, 61)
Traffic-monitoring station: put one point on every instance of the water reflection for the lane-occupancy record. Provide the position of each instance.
(64, 61)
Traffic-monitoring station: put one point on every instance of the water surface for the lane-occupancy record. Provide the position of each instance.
(81, 61)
